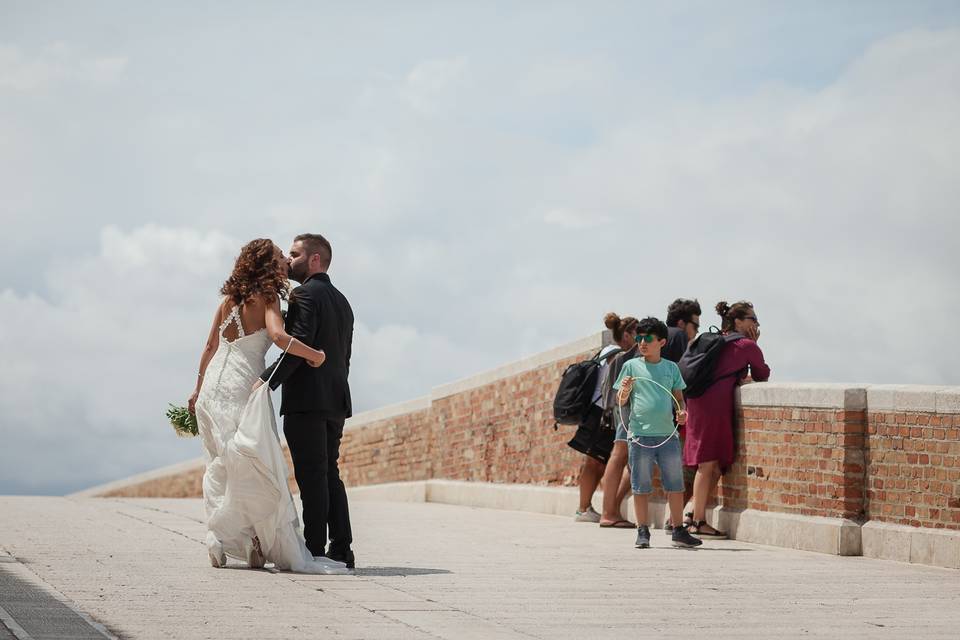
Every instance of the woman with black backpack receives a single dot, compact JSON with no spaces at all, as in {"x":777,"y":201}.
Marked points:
{"x":709,"y":439}
{"x":594,"y":437}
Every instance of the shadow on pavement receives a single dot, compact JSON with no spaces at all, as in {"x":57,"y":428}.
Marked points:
{"x":398,"y":571}
{"x":712,"y":549}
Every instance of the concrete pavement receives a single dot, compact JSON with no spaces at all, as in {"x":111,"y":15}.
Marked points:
{"x":427,"y":570}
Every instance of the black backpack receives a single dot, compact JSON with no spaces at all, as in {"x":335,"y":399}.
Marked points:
{"x":700,"y":360}
{"x":579,"y":381}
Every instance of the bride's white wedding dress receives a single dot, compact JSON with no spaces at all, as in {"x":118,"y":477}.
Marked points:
{"x":245,"y":491}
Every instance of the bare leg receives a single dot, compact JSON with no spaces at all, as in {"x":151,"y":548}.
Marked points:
{"x":590,"y":477}
{"x":675,"y":499}
{"x":688,"y":477}
{"x":708,"y":474}
{"x":624,"y":488}
{"x":641,"y":502}
{"x":611,"y":481}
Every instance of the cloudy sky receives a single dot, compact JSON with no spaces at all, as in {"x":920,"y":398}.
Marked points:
{"x":493,"y":177}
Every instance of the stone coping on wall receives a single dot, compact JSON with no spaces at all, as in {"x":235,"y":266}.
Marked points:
{"x":594,"y":342}
{"x":591,"y":343}
{"x":913,"y":398}
{"x":809,"y":395}
{"x":387,"y":412}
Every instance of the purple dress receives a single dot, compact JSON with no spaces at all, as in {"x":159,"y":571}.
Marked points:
{"x":709,"y":432}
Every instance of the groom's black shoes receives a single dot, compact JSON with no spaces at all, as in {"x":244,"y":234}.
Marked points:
{"x":346,"y":558}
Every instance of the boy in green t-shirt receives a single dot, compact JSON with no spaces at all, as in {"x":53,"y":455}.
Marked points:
{"x":647,"y":383}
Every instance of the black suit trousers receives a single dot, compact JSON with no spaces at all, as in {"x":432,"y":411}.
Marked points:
{"x":314,"y":444}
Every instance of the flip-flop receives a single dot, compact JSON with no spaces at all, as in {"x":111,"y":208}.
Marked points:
{"x":619,"y":524}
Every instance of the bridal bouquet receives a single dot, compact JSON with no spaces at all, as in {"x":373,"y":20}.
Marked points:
{"x":182,"y":421}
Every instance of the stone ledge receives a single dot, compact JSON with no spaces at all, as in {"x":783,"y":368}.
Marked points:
{"x":594,"y":342}
{"x":591,"y":343}
{"x":389,"y":411}
{"x":918,"y":545}
{"x":912,"y":398}
{"x":836,"y":536}
{"x":840,"y":396}
{"x":415,"y":491}
{"x":559,"y":501}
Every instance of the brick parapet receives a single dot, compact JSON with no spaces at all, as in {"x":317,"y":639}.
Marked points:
{"x":912,"y":454}
{"x":889,"y":453}
{"x":798,"y":460}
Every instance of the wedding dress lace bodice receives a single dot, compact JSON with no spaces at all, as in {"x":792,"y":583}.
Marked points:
{"x":233,"y":369}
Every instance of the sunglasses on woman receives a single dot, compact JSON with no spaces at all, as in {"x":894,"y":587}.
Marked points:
{"x":646,"y":337}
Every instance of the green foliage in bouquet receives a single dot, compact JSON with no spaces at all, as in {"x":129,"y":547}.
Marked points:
{"x":182,"y":421}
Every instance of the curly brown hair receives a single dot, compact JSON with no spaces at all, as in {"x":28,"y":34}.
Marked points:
{"x":256,"y":273}
{"x":730,"y":312}
{"x":619,"y":325}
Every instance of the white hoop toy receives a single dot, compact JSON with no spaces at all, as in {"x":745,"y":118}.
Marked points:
{"x":632,"y":439}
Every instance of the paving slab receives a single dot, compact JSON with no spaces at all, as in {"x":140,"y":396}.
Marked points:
{"x":139,"y":568}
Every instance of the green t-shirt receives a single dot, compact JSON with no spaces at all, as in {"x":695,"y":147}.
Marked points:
{"x":651,"y":407}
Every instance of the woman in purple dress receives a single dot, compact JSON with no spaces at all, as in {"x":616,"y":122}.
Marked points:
{"x":709,"y":438}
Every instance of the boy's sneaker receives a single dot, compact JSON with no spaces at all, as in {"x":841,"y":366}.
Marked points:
{"x":643,"y":537}
{"x":587,"y":516}
{"x":682,"y":539}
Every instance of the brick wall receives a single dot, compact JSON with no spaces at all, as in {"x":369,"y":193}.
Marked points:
{"x":184,"y":484}
{"x":798,"y":460}
{"x":913,"y":463}
{"x":877,"y":452}
{"x":500,"y":431}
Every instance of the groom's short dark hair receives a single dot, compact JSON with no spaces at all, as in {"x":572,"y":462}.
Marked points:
{"x":316,"y":243}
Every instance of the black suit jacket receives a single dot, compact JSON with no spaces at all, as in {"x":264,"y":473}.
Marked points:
{"x":320,"y":316}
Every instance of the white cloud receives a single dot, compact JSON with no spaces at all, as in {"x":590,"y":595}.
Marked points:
{"x":569,"y":219}
{"x":432,"y":86}
{"x":99,"y":358}
{"x":55,"y":64}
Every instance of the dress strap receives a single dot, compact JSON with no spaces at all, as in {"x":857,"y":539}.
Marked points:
{"x":234,"y":316}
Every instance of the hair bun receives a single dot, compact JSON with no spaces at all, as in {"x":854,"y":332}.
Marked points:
{"x":722,"y":308}
{"x":612,"y":321}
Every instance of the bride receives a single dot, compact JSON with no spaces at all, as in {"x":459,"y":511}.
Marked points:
{"x":250,"y":512}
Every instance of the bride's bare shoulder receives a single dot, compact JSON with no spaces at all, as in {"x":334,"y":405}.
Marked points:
{"x":265,"y":301}
{"x":225,"y":306}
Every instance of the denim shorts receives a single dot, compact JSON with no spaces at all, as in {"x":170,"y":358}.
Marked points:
{"x":668,"y":457}
{"x":622,"y":435}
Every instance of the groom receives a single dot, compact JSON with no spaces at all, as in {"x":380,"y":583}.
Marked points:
{"x":315,"y":402}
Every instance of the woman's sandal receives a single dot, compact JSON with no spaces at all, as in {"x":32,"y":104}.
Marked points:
{"x":619,"y":524}
{"x":697,"y":529}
